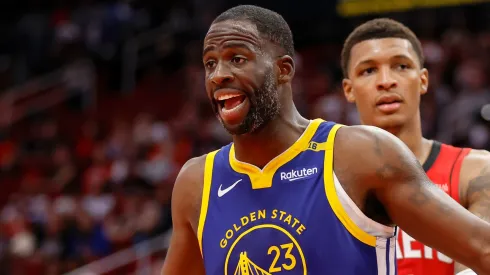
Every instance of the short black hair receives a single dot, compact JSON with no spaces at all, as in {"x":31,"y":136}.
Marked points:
{"x":377,"y":29}
{"x":270,"y":24}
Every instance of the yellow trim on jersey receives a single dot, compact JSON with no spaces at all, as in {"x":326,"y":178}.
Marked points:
{"x":206,"y":188}
{"x":333,"y":198}
{"x":263,"y":178}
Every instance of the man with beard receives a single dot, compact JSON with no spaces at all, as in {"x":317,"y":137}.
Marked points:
{"x":384,"y":75}
{"x":272,"y":201}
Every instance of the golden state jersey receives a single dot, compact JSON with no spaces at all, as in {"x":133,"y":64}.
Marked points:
{"x":291,"y":217}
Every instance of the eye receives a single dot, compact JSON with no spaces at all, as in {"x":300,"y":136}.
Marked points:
{"x":368,"y":71}
{"x":238,"y":60}
{"x":210,"y":64}
{"x":402,"y":67}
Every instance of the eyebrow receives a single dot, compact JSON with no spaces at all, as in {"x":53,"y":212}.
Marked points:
{"x":398,"y":56}
{"x":208,"y":49}
{"x":402,"y":56}
{"x":367,"y":61}
{"x":227,"y":46}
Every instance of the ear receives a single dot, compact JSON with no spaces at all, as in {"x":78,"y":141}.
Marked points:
{"x":286,"y":68}
{"x":424,"y":81}
{"x":348,"y":91}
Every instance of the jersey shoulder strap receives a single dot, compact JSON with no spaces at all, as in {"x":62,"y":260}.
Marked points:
{"x":444,"y":164}
{"x":456,"y":171}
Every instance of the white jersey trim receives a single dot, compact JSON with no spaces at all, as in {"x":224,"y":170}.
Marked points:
{"x":368,"y":225}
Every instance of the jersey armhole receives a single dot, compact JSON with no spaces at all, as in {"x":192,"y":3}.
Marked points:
{"x":455,"y":173}
{"x":354,"y":221}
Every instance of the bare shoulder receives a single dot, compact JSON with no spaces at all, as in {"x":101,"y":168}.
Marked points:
{"x":189,"y":170}
{"x":373,"y":152}
{"x":476,"y":158}
{"x":475,"y":176}
{"x":369,"y":137}
{"x":475,"y":162}
{"x":187,"y":192}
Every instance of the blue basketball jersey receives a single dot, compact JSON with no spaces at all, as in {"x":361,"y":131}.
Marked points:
{"x":291,"y":217}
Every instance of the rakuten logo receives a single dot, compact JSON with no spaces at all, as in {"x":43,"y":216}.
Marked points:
{"x":298,"y":174}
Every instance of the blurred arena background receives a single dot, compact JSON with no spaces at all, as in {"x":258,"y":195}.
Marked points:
{"x":102,"y":102}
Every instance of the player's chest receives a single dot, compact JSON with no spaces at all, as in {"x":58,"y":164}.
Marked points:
{"x":276,"y":215}
{"x":275,"y":240}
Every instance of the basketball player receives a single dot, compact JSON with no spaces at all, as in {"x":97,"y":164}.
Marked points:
{"x":294,"y":196}
{"x":382,"y":62}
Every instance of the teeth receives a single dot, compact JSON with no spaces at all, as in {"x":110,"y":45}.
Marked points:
{"x":225,"y":97}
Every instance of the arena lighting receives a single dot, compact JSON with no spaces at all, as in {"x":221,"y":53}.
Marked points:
{"x":349,"y":8}
{"x":485,"y":112}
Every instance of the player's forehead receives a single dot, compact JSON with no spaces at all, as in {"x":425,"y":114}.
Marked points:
{"x":232,"y":30}
{"x":380,"y":50}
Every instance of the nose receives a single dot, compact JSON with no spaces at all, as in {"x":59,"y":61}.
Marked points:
{"x":385,"y":80}
{"x":222,"y":74}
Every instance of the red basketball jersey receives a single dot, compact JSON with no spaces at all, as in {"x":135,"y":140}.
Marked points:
{"x":414,"y":258}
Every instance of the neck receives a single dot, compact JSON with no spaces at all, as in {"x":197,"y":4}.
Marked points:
{"x":411,"y":135}
{"x":273,"y":139}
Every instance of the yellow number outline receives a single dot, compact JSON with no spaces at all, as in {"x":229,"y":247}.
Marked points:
{"x":287,"y":255}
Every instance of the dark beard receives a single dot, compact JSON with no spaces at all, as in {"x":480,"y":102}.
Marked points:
{"x":264,"y":107}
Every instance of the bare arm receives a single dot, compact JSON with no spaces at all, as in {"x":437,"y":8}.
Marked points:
{"x":475,"y":187}
{"x":184,"y":255}
{"x":390,"y":171}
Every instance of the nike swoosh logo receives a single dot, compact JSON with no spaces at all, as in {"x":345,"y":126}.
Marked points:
{"x":221,"y":193}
